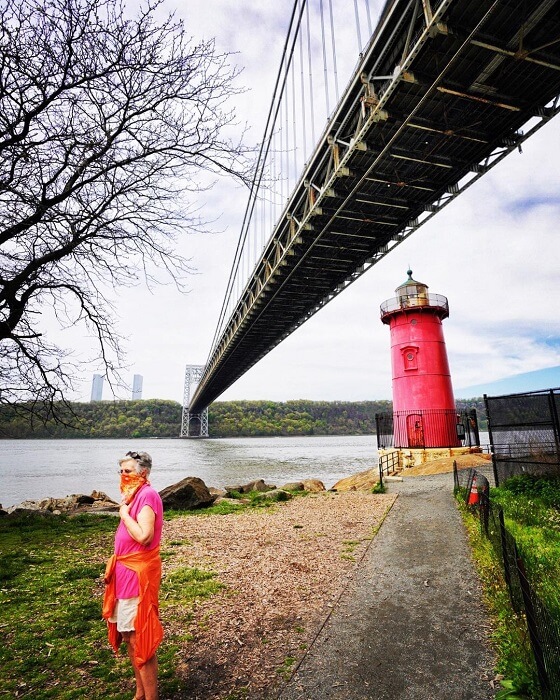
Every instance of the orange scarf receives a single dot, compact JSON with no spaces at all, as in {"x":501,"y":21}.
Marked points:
{"x":149,"y":632}
{"x":130,"y":485}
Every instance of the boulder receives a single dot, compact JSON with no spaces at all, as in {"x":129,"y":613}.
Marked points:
{"x":77,"y":502}
{"x":19,"y":511}
{"x":292,"y":486}
{"x":363,"y":481}
{"x":233,"y":501}
{"x":257,"y":485}
{"x":219,"y":493}
{"x":101,"y":496}
{"x":275,"y":495}
{"x":26,"y":506}
{"x":188,"y":494}
{"x":313,"y":485}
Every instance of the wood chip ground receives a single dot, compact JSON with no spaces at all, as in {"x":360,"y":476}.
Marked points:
{"x":282,"y":569}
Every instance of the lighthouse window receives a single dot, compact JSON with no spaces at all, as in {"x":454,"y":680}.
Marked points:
{"x":410,"y":357}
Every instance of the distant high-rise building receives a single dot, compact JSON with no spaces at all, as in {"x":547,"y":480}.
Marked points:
{"x":97,"y":387}
{"x":137,"y":387}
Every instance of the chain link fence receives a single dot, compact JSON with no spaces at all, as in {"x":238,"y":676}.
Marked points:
{"x":524,"y":433}
{"x":543,"y":628}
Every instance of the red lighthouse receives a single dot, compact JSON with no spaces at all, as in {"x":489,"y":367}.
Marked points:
{"x":424,"y":414}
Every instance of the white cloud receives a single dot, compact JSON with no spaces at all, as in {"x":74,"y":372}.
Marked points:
{"x":494,"y":258}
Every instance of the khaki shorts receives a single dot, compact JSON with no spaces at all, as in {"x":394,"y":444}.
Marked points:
{"x":124,"y":614}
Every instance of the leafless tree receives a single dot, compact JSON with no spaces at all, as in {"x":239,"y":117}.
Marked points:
{"x":108,"y":124}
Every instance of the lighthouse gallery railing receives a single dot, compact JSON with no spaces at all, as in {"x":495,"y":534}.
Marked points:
{"x":416,"y":301}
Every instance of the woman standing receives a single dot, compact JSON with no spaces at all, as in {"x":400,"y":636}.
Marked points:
{"x":133,"y":574}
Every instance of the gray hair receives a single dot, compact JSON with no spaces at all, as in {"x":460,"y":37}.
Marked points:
{"x":142,"y":459}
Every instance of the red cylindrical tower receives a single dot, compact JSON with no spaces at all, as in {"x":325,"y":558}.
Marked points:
{"x":424,"y":413}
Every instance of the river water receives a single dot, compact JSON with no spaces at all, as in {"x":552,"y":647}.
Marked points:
{"x":36,"y":469}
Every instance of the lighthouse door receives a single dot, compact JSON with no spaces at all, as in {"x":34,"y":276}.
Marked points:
{"x":415,"y":430}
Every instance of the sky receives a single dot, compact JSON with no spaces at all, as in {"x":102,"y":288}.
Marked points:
{"x":493,"y":253}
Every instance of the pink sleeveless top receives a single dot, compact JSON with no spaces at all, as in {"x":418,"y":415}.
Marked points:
{"x":126,"y":579}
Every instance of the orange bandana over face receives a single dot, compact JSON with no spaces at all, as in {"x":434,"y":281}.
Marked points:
{"x":130,"y":484}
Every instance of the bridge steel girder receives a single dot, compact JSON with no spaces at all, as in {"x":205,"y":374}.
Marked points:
{"x":439,"y":98}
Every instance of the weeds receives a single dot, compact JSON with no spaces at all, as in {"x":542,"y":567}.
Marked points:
{"x":286,"y":669}
{"x":532,"y":513}
{"x":509,"y":636}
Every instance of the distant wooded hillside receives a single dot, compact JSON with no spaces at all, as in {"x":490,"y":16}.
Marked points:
{"x":157,"y":418}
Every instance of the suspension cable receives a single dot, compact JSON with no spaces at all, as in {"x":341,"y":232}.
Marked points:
{"x":261,"y":158}
{"x":311,"y":90}
{"x":323,"y":39}
{"x":357,"y":15}
{"x":302,"y":84}
{"x":334,"y":52}
{"x":370,"y":29}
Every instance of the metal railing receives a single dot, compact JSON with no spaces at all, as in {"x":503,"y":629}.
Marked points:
{"x":424,"y":428}
{"x":388,"y":464}
{"x":416,"y":301}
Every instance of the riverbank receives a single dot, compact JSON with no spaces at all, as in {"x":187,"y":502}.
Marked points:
{"x":243,"y":596}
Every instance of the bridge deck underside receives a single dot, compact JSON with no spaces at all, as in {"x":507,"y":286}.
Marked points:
{"x":396,"y":149}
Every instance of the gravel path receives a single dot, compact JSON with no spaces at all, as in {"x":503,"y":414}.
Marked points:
{"x":411,"y":624}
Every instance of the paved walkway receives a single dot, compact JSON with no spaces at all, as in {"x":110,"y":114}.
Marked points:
{"x":410,"y":625}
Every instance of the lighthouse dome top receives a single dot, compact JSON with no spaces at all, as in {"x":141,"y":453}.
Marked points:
{"x":411,"y":285}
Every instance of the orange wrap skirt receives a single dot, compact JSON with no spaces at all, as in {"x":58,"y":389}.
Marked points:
{"x":149,"y":632}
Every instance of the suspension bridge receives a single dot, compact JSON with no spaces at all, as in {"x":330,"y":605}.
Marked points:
{"x":442,"y":91}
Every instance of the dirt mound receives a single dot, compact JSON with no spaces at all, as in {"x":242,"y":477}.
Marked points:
{"x":445,"y":464}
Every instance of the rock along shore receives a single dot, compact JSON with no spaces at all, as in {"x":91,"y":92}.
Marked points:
{"x":188,"y":494}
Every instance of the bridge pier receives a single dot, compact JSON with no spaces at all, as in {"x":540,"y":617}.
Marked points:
{"x":193,"y":424}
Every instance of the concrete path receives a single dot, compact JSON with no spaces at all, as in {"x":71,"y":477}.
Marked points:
{"x":410,"y":625}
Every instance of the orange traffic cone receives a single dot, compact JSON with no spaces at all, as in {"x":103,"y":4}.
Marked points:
{"x":473,"y":498}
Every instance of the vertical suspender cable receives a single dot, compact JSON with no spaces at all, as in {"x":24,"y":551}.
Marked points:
{"x":273,"y":190}
{"x":263,"y":225}
{"x":296,"y":140}
{"x":325,"y":59}
{"x":334,"y":52}
{"x":370,"y":30}
{"x":310,"y":61}
{"x":257,"y":178}
{"x":356,"y":13}
{"x":281,"y":156}
{"x":302,"y":84}
{"x":289,"y":145}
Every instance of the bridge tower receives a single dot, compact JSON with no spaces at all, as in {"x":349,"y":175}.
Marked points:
{"x":193,"y":424}
{"x":425,"y":419}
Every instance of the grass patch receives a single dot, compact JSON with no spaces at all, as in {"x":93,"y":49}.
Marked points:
{"x":222,"y":508}
{"x":509,"y":636}
{"x":54,"y":640}
{"x":286,"y":669}
{"x":241,"y":503}
{"x":532,"y":514}
{"x":191,"y":583}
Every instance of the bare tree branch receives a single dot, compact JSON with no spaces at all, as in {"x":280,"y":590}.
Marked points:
{"x":108,"y":125}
